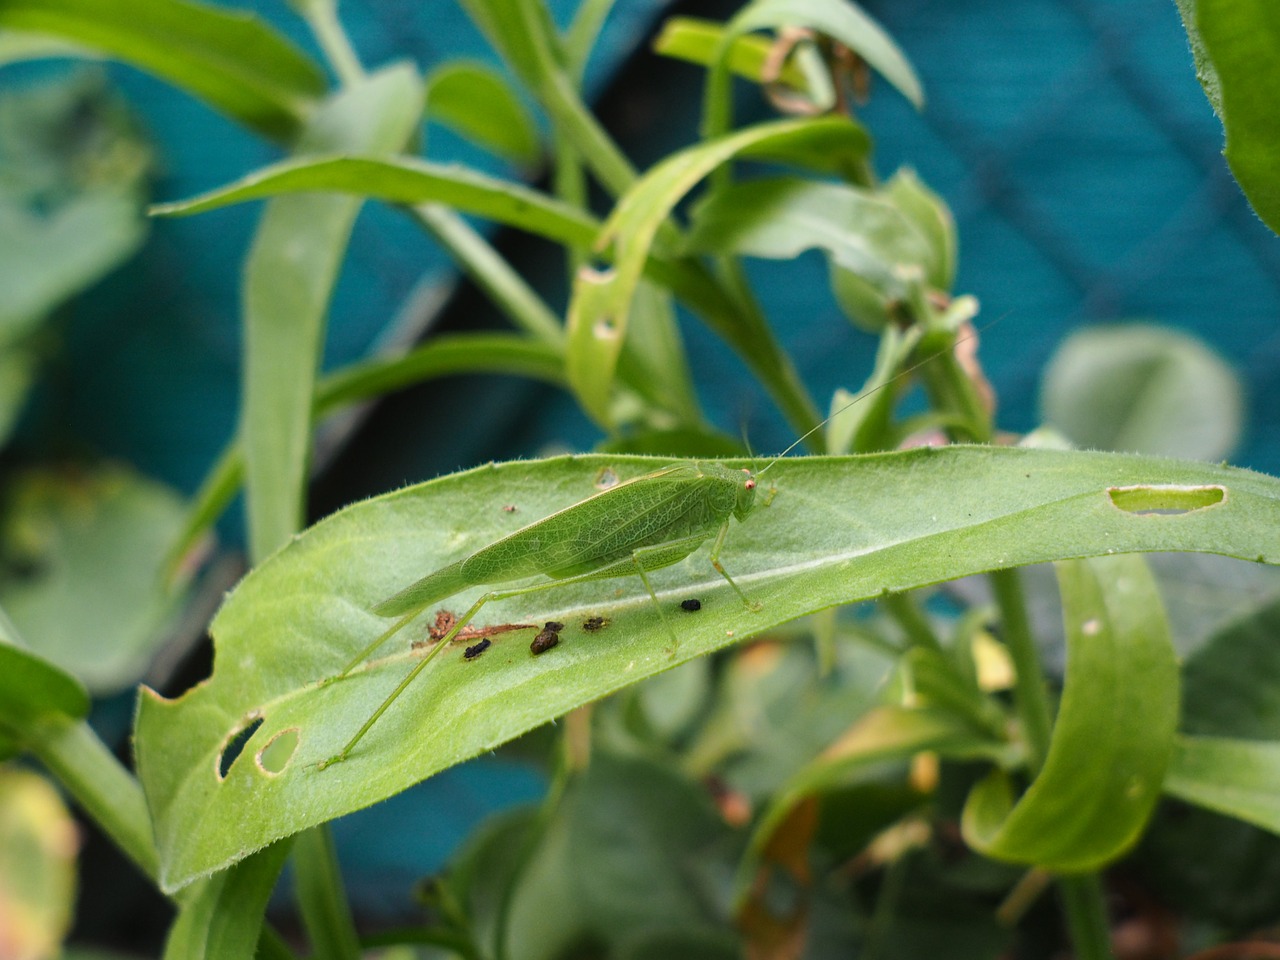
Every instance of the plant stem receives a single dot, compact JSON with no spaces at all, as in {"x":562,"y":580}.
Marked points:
{"x":1029,"y":692}
{"x":100,"y":784}
{"x":322,"y":18}
{"x":914,"y":623}
{"x":490,"y":272}
{"x":1086,"y":910}
{"x":1082,"y":897}
{"x":321,"y":897}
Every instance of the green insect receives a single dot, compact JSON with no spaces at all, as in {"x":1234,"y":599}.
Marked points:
{"x":630,"y":529}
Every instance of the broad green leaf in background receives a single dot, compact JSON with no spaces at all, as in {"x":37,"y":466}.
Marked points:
{"x":1236,"y":44}
{"x":49,"y":258}
{"x":601,"y":302}
{"x":1228,"y":760}
{"x":477,"y":102}
{"x":221,"y":919}
{"x":232,"y":60}
{"x":1113,"y":737}
{"x":781,"y":217}
{"x":38,"y":847}
{"x":1141,"y":388}
{"x":62,"y":579}
{"x":289,"y":277}
{"x":630,"y":845}
{"x":33,"y":689}
{"x":73,"y":165}
{"x":838,"y":530}
{"x":1240,"y":778}
{"x":932,"y":218}
{"x":404,"y":180}
{"x":17,"y":373}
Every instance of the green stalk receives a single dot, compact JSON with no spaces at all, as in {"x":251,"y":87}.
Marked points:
{"x":321,"y":898}
{"x":100,"y":784}
{"x":487,"y":269}
{"x":1086,"y":911}
{"x":903,"y":608}
{"x":1030,"y":695}
{"x":1082,"y":898}
{"x":322,"y":18}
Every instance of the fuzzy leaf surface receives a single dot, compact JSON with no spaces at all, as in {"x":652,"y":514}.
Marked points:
{"x":839,"y":529}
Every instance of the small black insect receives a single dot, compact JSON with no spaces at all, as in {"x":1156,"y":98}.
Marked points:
{"x":692,"y":605}
{"x":544,"y":641}
{"x":472,"y":652}
{"x":555,"y":626}
{"x":592,"y":624}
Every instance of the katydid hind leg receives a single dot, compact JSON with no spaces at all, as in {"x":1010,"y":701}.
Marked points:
{"x":421,"y":665}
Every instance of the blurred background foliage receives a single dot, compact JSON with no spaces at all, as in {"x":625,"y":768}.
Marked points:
{"x":1083,"y":166}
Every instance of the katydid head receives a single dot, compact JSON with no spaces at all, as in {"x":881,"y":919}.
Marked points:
{"x":746,"y":501}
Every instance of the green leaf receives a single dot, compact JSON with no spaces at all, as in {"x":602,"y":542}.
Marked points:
{"x":1231,"y":685}
{"x":631,"y":845}
{"x":601,"y":302}
{"x":1240,"y":778}
{"x":292,"y":267}
{"x":1113,"y":737}
{"x":840,"y":529}
{"x":698,"y":41}
{"x":32,"y":688}
{"x":19,"y":45}
{"x":779,"y":218}
{"x":842,"y":21}
{"x":933,"y":219}
{"x":404,"y":180}
{"x":1143,"y":389}
{"x":17,"y":373}
{"x":1240,"y":39}
{"x":233,"y":61}
{"x":221,"y":919}
{"x":62,"y":579}
{"x":74,"y":166}
{"x":476,"y":101}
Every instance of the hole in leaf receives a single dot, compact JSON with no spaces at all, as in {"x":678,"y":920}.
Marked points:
{"x":235,"y":745}
{"x":275,"y":756}
{"x":1165,"y":500}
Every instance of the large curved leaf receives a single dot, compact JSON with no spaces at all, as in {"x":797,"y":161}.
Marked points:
{"x":1113,"y":737}
{"x":601,"y":302}
{"x":234,"y":61}
{"x":839,"y":529}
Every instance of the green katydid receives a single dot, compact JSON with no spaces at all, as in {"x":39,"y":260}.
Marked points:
{"x":630,"y":529}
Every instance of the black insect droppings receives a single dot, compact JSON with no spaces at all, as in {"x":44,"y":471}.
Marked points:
{"x":692,"y":605}
{"x":472,"y":652}
{"x":592,"y":624}
{"x":555,"y":626}
{"x":544,"y":641}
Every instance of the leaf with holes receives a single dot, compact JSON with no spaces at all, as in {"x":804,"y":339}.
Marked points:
{"x":839,"y":529}
{"x":601,"y":303}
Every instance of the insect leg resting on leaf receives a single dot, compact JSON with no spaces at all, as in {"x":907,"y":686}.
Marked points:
{"x":631,"y":529}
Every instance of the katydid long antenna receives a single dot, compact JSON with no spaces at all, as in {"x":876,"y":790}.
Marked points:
{"x":971,"y":335}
